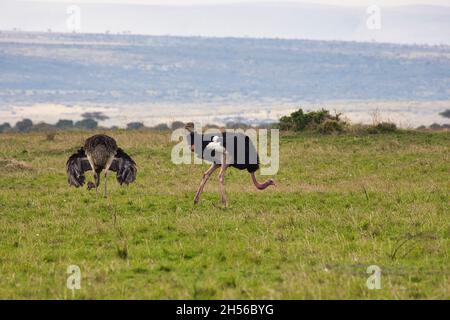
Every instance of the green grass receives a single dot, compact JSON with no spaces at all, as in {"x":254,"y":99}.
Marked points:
{"x":341,"y":203}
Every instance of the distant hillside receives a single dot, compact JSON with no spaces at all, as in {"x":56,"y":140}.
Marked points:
{"x":75,"y":68}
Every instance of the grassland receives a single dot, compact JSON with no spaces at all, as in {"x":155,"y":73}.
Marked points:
{"x":341,"y":203}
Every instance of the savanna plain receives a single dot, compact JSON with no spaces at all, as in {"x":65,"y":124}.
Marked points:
{"x":341,"y":204}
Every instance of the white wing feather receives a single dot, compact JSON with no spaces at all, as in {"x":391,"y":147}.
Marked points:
{"x":216,"y":145}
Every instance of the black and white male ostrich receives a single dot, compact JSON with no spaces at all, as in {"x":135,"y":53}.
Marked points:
{"x":241,"y":154}
{"x":100,"y":152}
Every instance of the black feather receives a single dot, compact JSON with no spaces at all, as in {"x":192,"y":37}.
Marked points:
{"x":100,"y":140}
{"x":125,"y":167}
{"x":76,"y":166}
{"x":242,"y":154}
{"x":100,"y":149}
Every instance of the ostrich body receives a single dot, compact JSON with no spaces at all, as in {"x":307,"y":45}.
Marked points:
{"x":100,"y":152}
{"x":213,"y":148}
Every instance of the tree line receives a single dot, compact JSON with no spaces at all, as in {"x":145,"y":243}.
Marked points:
{"x":321,"y":121}
{"x":27,"y":125}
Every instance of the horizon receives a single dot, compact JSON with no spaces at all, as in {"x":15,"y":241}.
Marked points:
{"x":206,"y":37}
{"x":399,"y":21}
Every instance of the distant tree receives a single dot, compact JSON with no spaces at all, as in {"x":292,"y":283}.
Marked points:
{"x":24,"y":125}
{"x":161,"y":127}
{"x":177,"y":125}
{"x":95,"y":115}
{"x":237,"y":125}
{"x":135,"y":125}
{"x":446,"y":113}
{"x":86,"y":124}
{"x":5,"y":127}
{"x":42,"y":126}
{"x":64,"y":124}
{"x":435,"y":126}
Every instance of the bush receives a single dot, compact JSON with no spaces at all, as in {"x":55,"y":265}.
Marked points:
{"x":95,"y":115}
{"x":330,"y":126}
{"x":435,"y":126}
{"x":382,"y":127}
{"x":24,"y":126}
{"x":135,"y":125}
{"x":43,"y":127}
{"x":86,"y":124}
{"x":5,"y":127}
{"x":177,"y":125}
{"x":161,"y":127}
{"x":64,"y":124}
{"x":314,"y":120}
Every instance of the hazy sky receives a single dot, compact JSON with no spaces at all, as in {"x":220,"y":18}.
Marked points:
{"x":327,"y":20}
{"x":190,"y":2}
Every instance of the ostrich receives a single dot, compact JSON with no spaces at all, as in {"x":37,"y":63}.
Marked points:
{"x":213,"y":148}
{"x":100,"y":152}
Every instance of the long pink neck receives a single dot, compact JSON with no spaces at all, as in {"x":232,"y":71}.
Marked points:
{"x":261,"y":186}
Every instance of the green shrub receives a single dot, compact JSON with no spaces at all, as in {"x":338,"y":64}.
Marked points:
{"x":161,"y":127}
{"x":64,"y":124}
{"x":177,"y":125}
{"x":331,"y":126}
{"x":382,"y":127}
{"x":24,"y":126}
{"x":135,"y":125}
{"x":86,"y":124}
{"x":314,"y":120}
{"x":5,"y":127}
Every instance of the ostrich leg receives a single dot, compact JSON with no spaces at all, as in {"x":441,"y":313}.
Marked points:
{"x":108,"y":164}
{"x":97,"y":181}
{"x":96,"y":177}
{"x":205,"y":178}
{"x":222,"y":183}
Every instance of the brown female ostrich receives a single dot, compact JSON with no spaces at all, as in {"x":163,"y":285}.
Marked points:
{"x":241,"y":154}
{"x":100,"y":152}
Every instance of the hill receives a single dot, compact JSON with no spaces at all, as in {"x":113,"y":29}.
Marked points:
{"x":114,"y":69}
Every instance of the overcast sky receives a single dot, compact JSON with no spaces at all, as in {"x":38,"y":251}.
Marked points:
{"x":334,"y":2}
{"x":326,"y":20}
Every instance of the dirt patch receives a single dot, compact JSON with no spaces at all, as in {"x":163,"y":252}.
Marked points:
{"x":15,"y":165}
